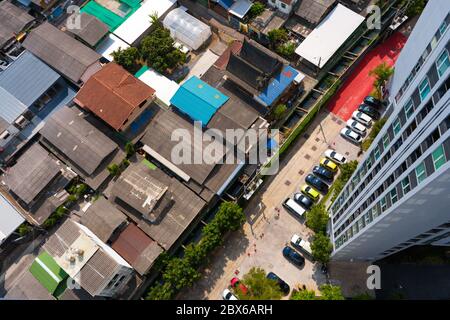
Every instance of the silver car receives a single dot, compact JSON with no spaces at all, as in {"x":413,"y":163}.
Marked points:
{"x":357,"y":127}
{"x":351,"y":135}
{"x":362,"y":118}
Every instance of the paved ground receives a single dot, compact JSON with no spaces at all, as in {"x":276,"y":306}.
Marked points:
{"x":269,"y":226}
{"x":360,"y":84}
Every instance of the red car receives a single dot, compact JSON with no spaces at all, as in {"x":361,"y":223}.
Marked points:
{"x":235,"y":282}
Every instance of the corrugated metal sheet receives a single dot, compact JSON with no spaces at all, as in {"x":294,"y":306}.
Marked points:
{"x":28,"y":78}
{"x":11,"y":107}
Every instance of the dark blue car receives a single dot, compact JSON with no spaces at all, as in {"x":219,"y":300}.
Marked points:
{"x":323,"y":173}
{"x":293,"y":256}
{"x":283,"y":285}
{"x":315,"y":182}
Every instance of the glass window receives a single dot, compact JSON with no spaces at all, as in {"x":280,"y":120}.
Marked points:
{"x":377,"y":153}
{"x":406,"y":185}
{"x":443,"y":27}
{"x":439,"y":157}
{"x":383,"y":204}
{"x":434,"y":42}
{"x":409,"y":108}
{"x":424,"y":88}
{"x":421,"y":173}
{"x":386,"y":140}
{"x":397,"y":126}
{"x":443,"y":63}
{"x":394,"y":196}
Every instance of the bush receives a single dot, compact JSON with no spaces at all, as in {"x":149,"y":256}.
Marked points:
{"x":303,"y":295}
{"x":114,"y":169}
{"x":127,"y":58}
{"x":377,"y":126}
{"x":129,"y":149}
{"x":347,"y":170}
{"x":287,"y":50}
{"x":160,"y":292}
{"x":330,"y":292}
{"x":24,"y":229}
{"x":277,"y":36}
{"x":256,"y":9}
{"x":260,"y":287}
{"x":321,"y":248}
{"x":279,"y":111}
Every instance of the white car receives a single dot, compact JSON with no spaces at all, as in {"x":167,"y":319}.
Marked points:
{"x":334,"y":156}
{"x":363,"y":118}
{"x":228,"y":295}
{"x":301,"y":244}
{"x":357,"y":127}
{"x":351,"y":135}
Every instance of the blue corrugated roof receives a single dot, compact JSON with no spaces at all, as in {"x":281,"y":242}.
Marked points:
{"x":226,"y":3}
{"x":277,"y":86}
{"x":28,"y":78}
{"x":198,"y":100}
{"x":11,"y":108}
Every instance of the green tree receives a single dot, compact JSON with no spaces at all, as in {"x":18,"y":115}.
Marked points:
{"x":279,"y":111}
{"x":180,"y":274}
{"x":277,"y":36}
{"x":303,"y":295}
{"x":347,"y":170}
{"x":127,"y":58}
{"x":377,"y":126}
{"x":255,"y":10}
{"x":286,"y":49}
{"x":161,"y":292}
{"x":230,"y":217}
{"x":24,"y":229}
{"x":317,"y":218}
{"x":158,"y":50}
{"x":382,"y":73}
{"x":321,"y":248}
{"x":114,"y":169}
{"x":129,"y":149}
{"x":259,"y":287}
{"x":212,"y":237}
{"x":330,"y":292}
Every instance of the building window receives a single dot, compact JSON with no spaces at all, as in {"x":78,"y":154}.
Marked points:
{"x":438,"y":157}
{"x":383,"y":204}
{"x":409,"y":108}
{"x":443,"y":27}
{"x":394,"y":196}
{"x":397,"y":126}
{"x":406,"y":185}
{"x":424,"y":89}
{"x":386,"y":140}
{"x":377,"y":153}
{"x":421,"y":173}
{"x":443,"y":63}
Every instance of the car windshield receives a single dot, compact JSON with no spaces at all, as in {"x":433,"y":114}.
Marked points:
{"x":333,"y":153}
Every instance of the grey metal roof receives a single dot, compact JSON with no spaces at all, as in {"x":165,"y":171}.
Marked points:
{"x":34,"y":170}
{"x":10,"y":218}
{"x":77,"y":139}
{"x":62,"y":52}
{"x":185,"y":206}
{"x":3,"y":124}
{"x":92,"y":29}
{"x":12,"y":21}
{"x":11,"y":108}
{"x":28,"y":78}
{"x":314,"y":10}
{"x":103,"y":218}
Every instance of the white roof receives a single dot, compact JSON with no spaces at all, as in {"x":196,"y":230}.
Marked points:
{"x":323,"y":42}
{"x":109,"y":45}
{"x":164,"y":87}
{"x":10,"y":219}
{"x":240,"y":8}
{"x":140,"y":21}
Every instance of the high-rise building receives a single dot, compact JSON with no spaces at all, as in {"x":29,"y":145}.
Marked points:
{"x":399,"y":196}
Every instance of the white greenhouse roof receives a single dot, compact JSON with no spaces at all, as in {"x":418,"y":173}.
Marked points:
{"x":164,"y":87}
{"x":109,"y":45}
{"x":323,"y":42}
{"x":140,"y":21}
{"x":10,"y":219}
{"x":187,"y":29}
{"x":240,"y":8}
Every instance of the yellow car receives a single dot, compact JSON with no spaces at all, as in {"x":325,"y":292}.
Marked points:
{"x":310,"y":192}
{"x":328,"y":164}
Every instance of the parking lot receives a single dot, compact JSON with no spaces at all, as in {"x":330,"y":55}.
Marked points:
{"x":269,"y":226}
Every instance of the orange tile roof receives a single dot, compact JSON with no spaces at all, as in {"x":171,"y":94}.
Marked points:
{"x":113,"y":94}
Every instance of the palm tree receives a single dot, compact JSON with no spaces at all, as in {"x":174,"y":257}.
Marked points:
{"x":382,"y":73}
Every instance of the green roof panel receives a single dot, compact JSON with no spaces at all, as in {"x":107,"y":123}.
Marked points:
{"x":48,"y":272}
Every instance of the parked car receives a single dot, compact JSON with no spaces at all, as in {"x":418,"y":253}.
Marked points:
{"x":303,"y":200}
{"x":335,"y":156}
{"x":362,"y":118}
{"x":311,"y":192}
{"x":228,"y":295}
{"x":328,"y":164}
{"x":283,"y":285}
{"x":301,"y":244}
{"x":294,"y":208}
{"x":373,"y":102}
{"x":236,"y":283}
{"x":293,"y":256}
{"x":351,"y":135}
{"x":357,"y":127}
{"x":370,"y":111}
{"x":324,"y":174}
{"x":316,"y":183}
